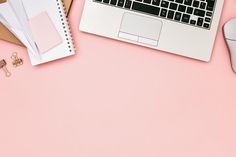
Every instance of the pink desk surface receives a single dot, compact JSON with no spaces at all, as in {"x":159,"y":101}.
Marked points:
{"x":114,"y":99}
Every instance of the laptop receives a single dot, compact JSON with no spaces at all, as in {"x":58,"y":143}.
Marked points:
{"x":183,"y":27}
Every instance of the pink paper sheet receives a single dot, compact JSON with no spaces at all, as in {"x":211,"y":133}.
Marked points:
{"x":44,"y":32}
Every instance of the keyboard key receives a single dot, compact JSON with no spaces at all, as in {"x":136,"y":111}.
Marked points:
{"x":98,"y":0}
{"x":156,"y":2}
{"x":146,"y":8}
{"x":185,"y":18}
{"x":105,"y":1}
{"x":206,"y":25}
{"x":163,"y":12}
{"x":189,"y":10}
{"x":202,"y":5}
{"x":196,"y":4}
{"x":128,"y":4}
{"x":179,"y":1}
{"x":170,"y":14}
{"x":178,"y":16}
{"x":192,"y":22}
{"x":200,"y":21}
{"x":182,"y":8}
{"x":147,"y":1}
{"x":164,"y":4}
{"x":207,"y":19}
{"x":210,"y":4}
{"x":199,"y":12}
{"x":209,"y":14}
{"x":113,"y":2}
{"x":121,"y":3}
{"x":173,"y":6}
{"x":188,"y":2}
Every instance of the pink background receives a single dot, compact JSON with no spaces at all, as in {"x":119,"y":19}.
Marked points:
{"x":115,"y":99}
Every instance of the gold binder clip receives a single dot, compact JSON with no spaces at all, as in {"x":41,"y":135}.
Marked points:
{"x":3,"y":65}
{"x":16,"y":61}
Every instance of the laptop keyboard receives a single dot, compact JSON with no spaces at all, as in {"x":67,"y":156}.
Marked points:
{"x":192,"y":12}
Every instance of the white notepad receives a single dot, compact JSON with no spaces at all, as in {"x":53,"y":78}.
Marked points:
{"x":45,"y":28}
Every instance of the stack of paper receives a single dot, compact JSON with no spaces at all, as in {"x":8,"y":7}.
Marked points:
{"x":14,"y":17}
{"x":6,"y":35}
{"x":41,"y":27}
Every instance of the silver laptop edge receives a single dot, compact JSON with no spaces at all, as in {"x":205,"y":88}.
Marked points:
{"x":151,"y":31}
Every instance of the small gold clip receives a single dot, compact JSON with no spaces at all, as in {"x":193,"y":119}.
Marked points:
{"x":3,"y":65}
{"x":16,"y":61}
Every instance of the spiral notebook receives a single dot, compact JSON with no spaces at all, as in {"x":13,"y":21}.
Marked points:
{"x":42,"y":26}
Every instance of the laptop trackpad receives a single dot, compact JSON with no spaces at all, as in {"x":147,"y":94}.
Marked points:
{"x":140,"y":29}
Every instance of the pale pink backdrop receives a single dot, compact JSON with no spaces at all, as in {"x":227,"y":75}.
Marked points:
{"x":115,"y":99}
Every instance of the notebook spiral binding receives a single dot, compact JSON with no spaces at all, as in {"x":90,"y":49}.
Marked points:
{"x":66,"y":25}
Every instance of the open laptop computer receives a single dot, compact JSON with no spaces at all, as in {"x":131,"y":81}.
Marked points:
{"x":183,"y":27}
